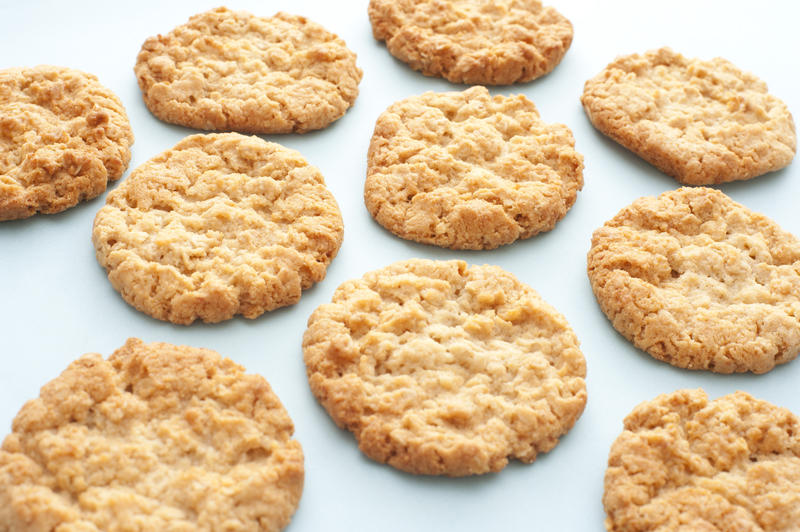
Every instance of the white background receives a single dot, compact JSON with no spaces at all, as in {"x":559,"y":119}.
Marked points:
{"x":56,"y":304}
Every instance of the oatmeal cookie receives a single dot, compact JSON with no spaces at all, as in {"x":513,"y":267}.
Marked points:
{"x":221,"y":224}
{"x":702,"y":122}
{"x":230,"y":70}
{"x":157,"y":437}
{"x":466,"y":170}
{"x":494,"y":42}
{"x":63,"y":137}
{"x":685,"y":463}
{"x":441,"y":369}
{"x":700,"y":281}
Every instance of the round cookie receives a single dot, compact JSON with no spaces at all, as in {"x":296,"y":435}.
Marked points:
{"x":702,"y":122}
{"x":700,"y":281}
{"x":441,"y":369}
{"x":686,"y":463}
{"x":157,"y":437}
{"x":494,"y":42}
{"x":63,"y":137}
{"x":219,"y":225}
{"x":466,"y":170}
{"x":227,"y":70}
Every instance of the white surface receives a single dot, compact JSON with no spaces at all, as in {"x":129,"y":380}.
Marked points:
{"x":57,"y":303}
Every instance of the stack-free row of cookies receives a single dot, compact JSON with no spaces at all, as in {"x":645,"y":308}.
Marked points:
{"x":437,"y":368}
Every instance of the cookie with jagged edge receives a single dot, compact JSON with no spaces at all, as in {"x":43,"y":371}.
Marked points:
{"x":218,"y":225}
{"x":702,"y":122}
{"x":700,"y":281}
{"x":158,"y":437}
{"x":442,"y":369}
{"x":231,"y":70}
{"x":466,"y":170}
{"x":63,"y":137}
{"x":684,"y":462}
{"x":495,"y":42}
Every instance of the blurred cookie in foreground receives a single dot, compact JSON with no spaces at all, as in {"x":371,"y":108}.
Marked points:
{"x":701,"y":122}
{"x":684,"y":462}
{"x":167,"y":437}
{"x":494,"y":42}
{"x":442,"y":369}
{"x":231,"y":70}
{"x":466,"y":170}
{"x":63,"y":137}
{"x":700,"y":281}
{"x":218,"y":225}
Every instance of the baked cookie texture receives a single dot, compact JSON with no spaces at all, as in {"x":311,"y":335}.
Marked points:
{"x":63,"y":137}
{"x":494,"y":42}
{"x":219,"y":225}
{"x":685,"y":463}
{"x":157,"y":437}
{"x":466,"y":170}
{"x":441,"y":369}
{"x":230,"y":70}
{"x":700,"y":281}
{"x":701,"y":122}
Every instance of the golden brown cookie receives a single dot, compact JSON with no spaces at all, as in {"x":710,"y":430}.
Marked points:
{"x":63,"y":137}
{"x":489,"y":42}
{"x":702,"y":122}
{"x":466,"y":170}
{"x":230,"y":70}
{"x":219,"y":225}
{"x":700,"y":281}
{"x":157,"y":437}
{"x":684,"y":463}
{"x":441,"y":369}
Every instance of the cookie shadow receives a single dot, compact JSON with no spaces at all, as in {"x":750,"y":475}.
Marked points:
{"x":439,"y":83}
{"x":528,"y":246}
{"x":771,"y":179}
{"x":631,"y":161}
{"x":127,"y":313}
{"x":403,"y":74}
{"x":515,"y":470}
{"x":84,"y":209}
{"x":715,"y":384}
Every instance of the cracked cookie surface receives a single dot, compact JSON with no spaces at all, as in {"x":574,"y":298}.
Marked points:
{"x":157,"y":437}
{"x":685,"y":463}
{"x":441,"y":369}
{"x":495,"y":42}
{"x":63,"y":137}
{"x":221,"y":224}
{"x":229,"y":70}
{"x":702,"y":122}
{"x":466,"y":170}
{"x":700,"y":281}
